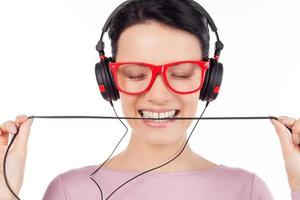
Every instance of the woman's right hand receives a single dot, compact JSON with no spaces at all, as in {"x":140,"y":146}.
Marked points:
{"x":15,"y":162}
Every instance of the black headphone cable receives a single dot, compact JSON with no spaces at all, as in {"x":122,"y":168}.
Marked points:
{"x":109,"y":117}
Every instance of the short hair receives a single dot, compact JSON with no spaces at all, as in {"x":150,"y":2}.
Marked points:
{"x":179,"y":14}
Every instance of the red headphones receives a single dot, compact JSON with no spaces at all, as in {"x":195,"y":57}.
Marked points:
{"x":213,"y":76}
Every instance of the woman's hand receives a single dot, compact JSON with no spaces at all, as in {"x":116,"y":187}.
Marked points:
{"x":290,"y":148}
{"x":15,"y":162}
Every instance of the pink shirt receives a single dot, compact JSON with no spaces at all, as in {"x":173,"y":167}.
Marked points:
{"x":220,"y":182}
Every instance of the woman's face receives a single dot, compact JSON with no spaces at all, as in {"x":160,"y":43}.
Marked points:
{"x":158,"y":44}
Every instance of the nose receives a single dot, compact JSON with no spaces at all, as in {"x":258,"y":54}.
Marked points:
{"x":159,"y":93}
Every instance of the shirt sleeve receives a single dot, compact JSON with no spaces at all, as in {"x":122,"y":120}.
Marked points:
{"x":260,"y":190}
{"x":55,"y":190}
{"x":295,"y":195}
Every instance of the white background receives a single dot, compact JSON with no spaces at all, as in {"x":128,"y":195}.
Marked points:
{"x":47,"y":68}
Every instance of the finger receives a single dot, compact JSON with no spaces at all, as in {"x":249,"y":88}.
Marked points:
{"x":296,"y":131}
{"x":294,"y":125}
{"x":284,"y":137}
{"x":3,"y":139}
{"x":288,"y":121}
{"x":7,"y":128}
{"x":296,"y":138}
{"x":23,"y":134}
{"x":21,"y":119}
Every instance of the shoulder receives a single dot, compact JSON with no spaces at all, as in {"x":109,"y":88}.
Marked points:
{"x":236,"y":173}
{"x":77,"y":177}
{"x":67,"y":183}
{"x":239,"y":175}
{"x":77,"y":173}
{"x":245,"y":180}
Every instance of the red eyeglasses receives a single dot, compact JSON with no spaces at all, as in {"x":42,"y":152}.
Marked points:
{"x":182,"y":77}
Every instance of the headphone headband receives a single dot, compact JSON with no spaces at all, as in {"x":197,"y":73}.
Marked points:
{"x":218,"y":45}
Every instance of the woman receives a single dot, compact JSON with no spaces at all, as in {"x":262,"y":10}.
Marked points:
{"x":156,"y":32}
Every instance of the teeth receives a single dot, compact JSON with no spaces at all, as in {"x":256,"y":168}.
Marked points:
{"x":148,"y":114}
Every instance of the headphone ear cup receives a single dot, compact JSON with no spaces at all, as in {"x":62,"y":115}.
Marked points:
{"x":212,"y":82}
{"x":111,"y":83}
{"x":105,"y":80}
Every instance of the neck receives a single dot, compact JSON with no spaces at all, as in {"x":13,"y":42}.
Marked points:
{"x":140,"y":156}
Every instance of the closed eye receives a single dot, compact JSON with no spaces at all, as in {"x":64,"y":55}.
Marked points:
{"x":136,"y":77}
{"x":181,"y":76}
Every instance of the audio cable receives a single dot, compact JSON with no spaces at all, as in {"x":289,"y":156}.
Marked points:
{"x":119,"y":118}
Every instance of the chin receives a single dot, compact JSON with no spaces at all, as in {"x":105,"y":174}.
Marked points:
{"x":160,"y":136}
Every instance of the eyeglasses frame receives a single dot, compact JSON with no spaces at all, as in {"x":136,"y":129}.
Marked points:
{"x":156,"y":70}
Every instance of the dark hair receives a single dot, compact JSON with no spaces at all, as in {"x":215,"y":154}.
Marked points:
{"x":180,"y":14}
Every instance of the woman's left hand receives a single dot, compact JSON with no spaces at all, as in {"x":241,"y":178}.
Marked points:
{"x":290,"y":148}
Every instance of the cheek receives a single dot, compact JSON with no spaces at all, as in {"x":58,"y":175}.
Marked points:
{"x":190,"y":104}
{"x":189,"y":109}
{"x":128,"y":103}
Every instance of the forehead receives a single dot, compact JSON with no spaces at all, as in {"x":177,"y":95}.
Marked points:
{"x":157,"y":43}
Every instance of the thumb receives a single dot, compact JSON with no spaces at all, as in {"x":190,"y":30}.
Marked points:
{"x":23,"y":132}
{"x":285,"y":138}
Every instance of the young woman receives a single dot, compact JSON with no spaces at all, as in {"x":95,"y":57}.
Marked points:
{"x":156,"y":32}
